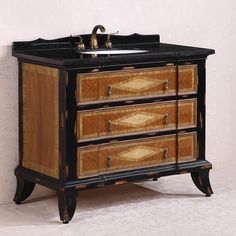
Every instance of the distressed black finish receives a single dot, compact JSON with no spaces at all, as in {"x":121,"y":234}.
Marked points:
{"x":63,"y":54}
{"x":67,"y":199}
{"x":105,"y":179}
{"x":201,"y":180}
{"x":23,"y":190}
{"x":67,"y":54}
{"x":70,"y":42}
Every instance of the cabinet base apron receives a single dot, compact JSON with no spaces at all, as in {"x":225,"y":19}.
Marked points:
{"x":67,"y":192}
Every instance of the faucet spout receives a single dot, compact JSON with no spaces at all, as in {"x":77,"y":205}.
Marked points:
{"x":94,"y":41}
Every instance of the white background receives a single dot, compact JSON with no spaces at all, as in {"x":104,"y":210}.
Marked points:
{"x":204,"y":23}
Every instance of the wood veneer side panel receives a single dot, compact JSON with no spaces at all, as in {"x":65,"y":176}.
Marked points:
{"x":20,"y":112}
{"x":41,"y":119}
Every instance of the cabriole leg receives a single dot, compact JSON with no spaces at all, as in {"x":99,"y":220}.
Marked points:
{"x":24,"y":188}
{"x":202,"y":182}
{"x":66,"y":204}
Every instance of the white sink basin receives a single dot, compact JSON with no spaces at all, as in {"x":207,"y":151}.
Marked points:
{"x":113,"y":51}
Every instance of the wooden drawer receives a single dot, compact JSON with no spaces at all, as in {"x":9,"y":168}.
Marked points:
{"x":136,"y":154}
{"x":135,"y":119}
{"x":102,"y":86}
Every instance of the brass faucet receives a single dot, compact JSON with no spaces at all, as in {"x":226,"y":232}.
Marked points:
{"x":94,"y":41}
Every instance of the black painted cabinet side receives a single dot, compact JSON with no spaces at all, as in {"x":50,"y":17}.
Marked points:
{"x":201,"y":109}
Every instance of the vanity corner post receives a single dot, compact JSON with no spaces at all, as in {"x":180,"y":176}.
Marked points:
{"x":67,"y":196}
{"x":200,"y":177}
{"x":67,"y":128}
{"x":201,"y":110}
{"x":24,"y":187}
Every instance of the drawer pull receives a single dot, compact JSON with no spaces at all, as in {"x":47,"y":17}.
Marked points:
{"x":109,"y":161}
{"x":109,"y":124}
{"x":109,"y":90}
{"x":165,"y":153}
{"x":166,"y":119}
{"x":166,"y":86}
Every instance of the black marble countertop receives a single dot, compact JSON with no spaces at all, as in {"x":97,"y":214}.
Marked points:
{"x":63,"y":51}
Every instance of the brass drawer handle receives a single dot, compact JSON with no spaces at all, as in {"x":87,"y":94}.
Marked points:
{"x":109,"y":161}
{"x":165,"y":153}
{"x":109,"y":126}
{"x":109,"y":90}
{"x":166,"y":119}
{"x":165,"y":86}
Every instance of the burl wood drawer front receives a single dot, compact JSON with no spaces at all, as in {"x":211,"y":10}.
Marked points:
{"x":101,"y":86}
{"x":136,"y":154}
{"x":133,"y":119}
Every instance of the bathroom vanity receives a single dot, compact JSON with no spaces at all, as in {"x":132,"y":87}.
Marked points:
{"x":133,"y":110}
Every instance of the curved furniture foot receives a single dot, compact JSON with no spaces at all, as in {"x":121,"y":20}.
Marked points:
{"x":202,"y":182}
{"x":66,"y":204}
{"x":24,"y":189}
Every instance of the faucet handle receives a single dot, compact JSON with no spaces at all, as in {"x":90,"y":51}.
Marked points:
{"x":80,"y":44}
{"x":108,"y":43}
